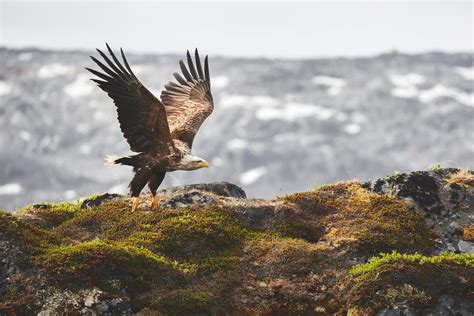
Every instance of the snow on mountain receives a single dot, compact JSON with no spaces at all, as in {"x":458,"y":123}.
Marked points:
{"x":279,"y":126}
{"x":5,"y":88}
{"x":466,"y":72}
{"x":53,"y":70}
{"x":10,"y":189}
{"x":79,"y":87}
{"x":440,"y":91}
{"x":252,"y":175}
{"x":334,"y":85}
{"x":293,"y":111}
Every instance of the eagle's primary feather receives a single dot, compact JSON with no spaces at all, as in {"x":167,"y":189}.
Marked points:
{"x":189,"y":103}
{"x":160,"y":132}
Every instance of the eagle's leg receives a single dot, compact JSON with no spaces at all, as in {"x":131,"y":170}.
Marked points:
{"x":142,"y":176}
{"x":135,"y":203}
{"x":153,"y":184}
{"x":154,"y":202}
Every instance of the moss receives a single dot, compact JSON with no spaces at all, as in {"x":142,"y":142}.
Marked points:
{"x":348,"y":214}
{"x":30,"y":238}
{"x":191,"y":234}
{"x":97,"y":221}
{"x":98,"y":261}
{"x":390,"y":224}
{"x":278,"y":255}
{"x":375,"y":263}
{"x":322,"y":199}
{"x":53,"y":214}
{"x":227,"y":260}
{"x":185,"y":302}
{"x":411,"y":278}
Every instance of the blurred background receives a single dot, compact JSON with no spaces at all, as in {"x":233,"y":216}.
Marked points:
{"x":305,"y":93}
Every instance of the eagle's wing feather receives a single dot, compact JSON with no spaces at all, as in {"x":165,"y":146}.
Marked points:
{"x":190,"y":102}
{"x":141,"y":115}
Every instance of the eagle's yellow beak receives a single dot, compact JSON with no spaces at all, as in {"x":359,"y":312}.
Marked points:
{"x":203,"y":164}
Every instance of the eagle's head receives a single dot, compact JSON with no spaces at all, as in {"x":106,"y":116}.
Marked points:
{"x":190,"y":162}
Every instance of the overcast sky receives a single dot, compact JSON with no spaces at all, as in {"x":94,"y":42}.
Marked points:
{"x":294,"y":30}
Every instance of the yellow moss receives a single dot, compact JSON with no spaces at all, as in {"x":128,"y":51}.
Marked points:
{"x":463,"y":177}
{"x":282,"y":255}
{"x":364,"y":220}
{"x":323,"y":199}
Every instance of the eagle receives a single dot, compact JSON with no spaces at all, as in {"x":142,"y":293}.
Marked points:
{"x":160,"y":132}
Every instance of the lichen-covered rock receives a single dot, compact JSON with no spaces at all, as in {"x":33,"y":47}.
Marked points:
{"x":97,"y":200}
{"x":224,"y":189}
{"x":444,"y":197}
{"x":209,"y":250}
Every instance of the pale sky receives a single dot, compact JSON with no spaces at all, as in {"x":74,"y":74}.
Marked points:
{"x":250,"y":29}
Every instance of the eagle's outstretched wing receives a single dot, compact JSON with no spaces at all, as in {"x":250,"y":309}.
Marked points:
{"x":190,"y":102}
{"x":141,"y":115}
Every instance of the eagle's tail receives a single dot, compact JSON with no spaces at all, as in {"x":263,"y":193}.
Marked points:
{"x":116,"y":160}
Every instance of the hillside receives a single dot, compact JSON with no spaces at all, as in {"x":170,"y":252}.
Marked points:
{"x":294,"y":123}
{"x":400,"y":245}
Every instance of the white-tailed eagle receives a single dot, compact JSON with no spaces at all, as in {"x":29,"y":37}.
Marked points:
{"x":161,"y":132}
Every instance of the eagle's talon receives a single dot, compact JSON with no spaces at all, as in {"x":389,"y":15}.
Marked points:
{"x":135,"y":203}
{"x":154,"y":203}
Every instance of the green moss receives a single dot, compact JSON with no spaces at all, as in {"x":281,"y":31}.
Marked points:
{"x":30,"y":238}
{"x":302,"y":229}
{"x":184,"y":234}
{"x":227,"y":260}
{"x":181,"y":234}
{"x":411,"y":278}
{"x":448,"y":258}
{"x":185,"y":302}
{"x":53,"y":214}
{"x":96,"y":261}
{"x":96,"y":222}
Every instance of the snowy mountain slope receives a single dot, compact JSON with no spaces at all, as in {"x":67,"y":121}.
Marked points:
{"x":286,"y":122}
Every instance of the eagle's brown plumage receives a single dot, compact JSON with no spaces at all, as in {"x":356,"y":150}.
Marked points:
{"x":160,"y":132}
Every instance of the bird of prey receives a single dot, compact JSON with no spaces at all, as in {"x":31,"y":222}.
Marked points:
{"x":160,"y":132}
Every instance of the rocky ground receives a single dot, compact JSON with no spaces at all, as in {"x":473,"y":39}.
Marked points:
{"x":400,"y":245}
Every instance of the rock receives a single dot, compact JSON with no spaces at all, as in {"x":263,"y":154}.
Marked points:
{"x":187,"y":199}
{"x":224,"y":189}
{"x":451,"y":305}
{"x":99,"y":200}
{"x":443,"y":206}
{"x":466,"y":246}
{"x":209,"y":250}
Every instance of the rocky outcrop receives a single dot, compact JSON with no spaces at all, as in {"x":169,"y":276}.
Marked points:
{"x":400,"y":245}
{"x":445,"y":203}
